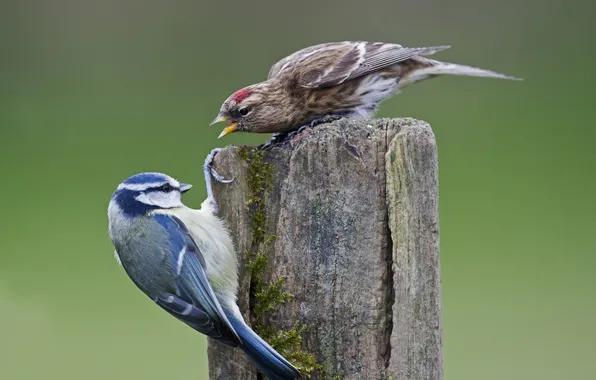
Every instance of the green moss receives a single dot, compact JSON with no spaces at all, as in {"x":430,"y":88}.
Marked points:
{"x":266,"y":296}
{"x":259,"y":178}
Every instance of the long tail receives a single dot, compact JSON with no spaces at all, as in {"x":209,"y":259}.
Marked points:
{"x":269,"y":361}
{"x":429,"y":68}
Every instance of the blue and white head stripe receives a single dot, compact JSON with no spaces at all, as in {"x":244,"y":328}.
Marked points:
{"x":140,"y":186}
{"x":145,"y":192}
{"x":144,"y":181}
{"x":144,"y":178}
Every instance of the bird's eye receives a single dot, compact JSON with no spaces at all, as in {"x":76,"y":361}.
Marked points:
{"x":166,"y":188}
{"x":244,"y":111}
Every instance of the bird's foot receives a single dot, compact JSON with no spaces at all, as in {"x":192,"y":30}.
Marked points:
{"x":209,"y":172}
{"x":276,"y":138}
{"x":322,"y":120}
{"x":284,"y":138}
{"x":312,"y":124}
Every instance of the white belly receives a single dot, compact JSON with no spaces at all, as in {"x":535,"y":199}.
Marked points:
{"x":373,"y":90}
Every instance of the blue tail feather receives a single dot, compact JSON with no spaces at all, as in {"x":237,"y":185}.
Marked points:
{"x":269,"y":361}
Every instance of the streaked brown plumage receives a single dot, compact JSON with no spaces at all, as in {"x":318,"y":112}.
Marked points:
{"x":338,"y":79}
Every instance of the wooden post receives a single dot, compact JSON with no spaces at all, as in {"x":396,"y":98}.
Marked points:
{"x":347,"y":216}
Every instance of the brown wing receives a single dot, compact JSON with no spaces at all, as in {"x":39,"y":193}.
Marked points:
{"x":330,"y":64}
{"x":290,"y":63}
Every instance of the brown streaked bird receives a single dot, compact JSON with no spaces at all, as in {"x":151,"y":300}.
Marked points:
{"x":331,"y":81}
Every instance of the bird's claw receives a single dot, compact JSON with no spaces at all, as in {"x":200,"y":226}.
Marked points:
{"x":291,"y":135}
{"x":323,"y":120}
{"x":265,"y":145}
{"x":219,"y":178}
{"x":284,"y":138}
{"x":312,"y":124}
{"x":276,"y":138}
{"x":208,"y":167}
{"x":209,"y":173}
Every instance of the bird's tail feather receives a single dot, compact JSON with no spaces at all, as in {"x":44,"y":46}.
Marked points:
{"x":431,"y":68}
{"x":269,"y":361}
{"x":430,"y":50}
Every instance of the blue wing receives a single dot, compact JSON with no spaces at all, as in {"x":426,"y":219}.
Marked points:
{"x":195,"y":302}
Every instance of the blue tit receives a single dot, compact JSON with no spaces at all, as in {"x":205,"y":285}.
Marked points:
{"x":184,"y":260}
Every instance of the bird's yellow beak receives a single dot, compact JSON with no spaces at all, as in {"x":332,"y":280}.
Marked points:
{"x":230,"y":128}
{"x":219,"y":119}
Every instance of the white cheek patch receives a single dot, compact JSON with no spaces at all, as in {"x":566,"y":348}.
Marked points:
{"x":160,"y":199}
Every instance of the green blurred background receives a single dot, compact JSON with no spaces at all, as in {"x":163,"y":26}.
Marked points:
{"x":94,"y":91}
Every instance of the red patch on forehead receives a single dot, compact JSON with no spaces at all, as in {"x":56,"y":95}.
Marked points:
{"x":240,"y":95}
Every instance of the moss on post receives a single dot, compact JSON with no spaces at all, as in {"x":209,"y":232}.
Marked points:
{"x":337,"y":239}
{"x":266,"y":296}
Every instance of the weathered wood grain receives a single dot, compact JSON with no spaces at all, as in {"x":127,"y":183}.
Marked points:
{"x":353,"y":207}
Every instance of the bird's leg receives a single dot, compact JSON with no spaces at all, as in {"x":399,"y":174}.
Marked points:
{"x":208,"y":167}
{"x":275,"y":139}
{"x":314,"y":123}
{"x":322,"y":120}
{"x":209,"y":172}
{"x":283,"y":137}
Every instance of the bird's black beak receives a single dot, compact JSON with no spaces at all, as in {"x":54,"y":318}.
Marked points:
{"x":184,"y":187}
